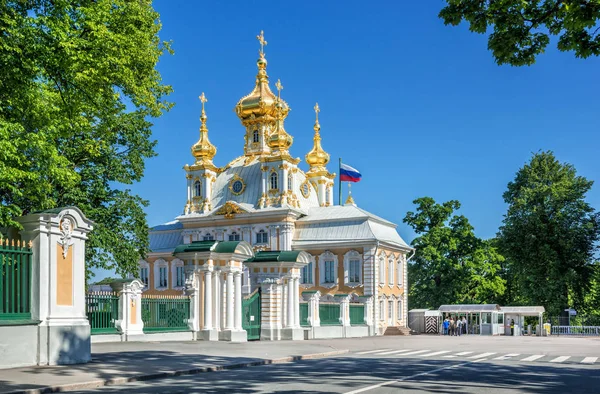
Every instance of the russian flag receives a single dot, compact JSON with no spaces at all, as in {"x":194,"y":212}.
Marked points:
{"x":349,"y":174}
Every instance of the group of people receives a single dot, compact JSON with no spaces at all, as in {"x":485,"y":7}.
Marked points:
{"x":455,"y":327}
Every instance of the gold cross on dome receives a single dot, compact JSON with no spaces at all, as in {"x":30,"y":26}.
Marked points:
{"x":203,"y":100}
{"x":261,"y":39}
{"x":279,"y":87}
{"x":317,"y":110}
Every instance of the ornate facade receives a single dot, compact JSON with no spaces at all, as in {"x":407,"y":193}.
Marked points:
{"x":263,"y":202}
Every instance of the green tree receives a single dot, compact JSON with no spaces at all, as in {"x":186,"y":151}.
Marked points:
{"x":78,"y":90}
{"x":549,"y":234}
{"x":522,"y":29}
{"x":451,"y":265}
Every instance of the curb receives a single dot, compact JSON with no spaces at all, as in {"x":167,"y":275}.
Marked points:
{"x":160,"y":375}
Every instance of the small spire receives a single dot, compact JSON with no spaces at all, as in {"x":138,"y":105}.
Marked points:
{"x":350,"y":200}
{"x":317,"y":158}
{"x":203,"y":150}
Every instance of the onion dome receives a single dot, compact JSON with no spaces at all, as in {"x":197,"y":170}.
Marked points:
{"x":317,"y":158}
{"x":203,"y":150}
{"x":261,"y":102}
{"x":280,"y":140}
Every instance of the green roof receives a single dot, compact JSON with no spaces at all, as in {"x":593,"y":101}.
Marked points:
{"x":207,"y":246}
{"x":227,"y":247}
{"x":266,"y":256}
{"x":196,"y":246}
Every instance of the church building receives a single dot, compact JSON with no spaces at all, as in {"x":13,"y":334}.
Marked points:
{"x":264,"y":229}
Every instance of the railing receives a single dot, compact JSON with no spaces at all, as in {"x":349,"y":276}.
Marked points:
{"x":165,"y":313}
{"x":102,"y":311}
{"x":576,"y":330}
{"x":357,"y":314}
{"x":15,"y":281}
{"x":329,"y":314}
{"x":304,"y":314}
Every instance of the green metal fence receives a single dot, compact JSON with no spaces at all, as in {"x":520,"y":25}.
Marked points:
{"x":357,"y":314}
{"x":165,"y":313}
{"x":304,"y":314}
{"x":102,"y":310}
{"x":329,"y":314}
{"x":15,"y":281}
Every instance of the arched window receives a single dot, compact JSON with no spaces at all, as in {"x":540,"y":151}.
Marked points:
{"x":391,"y":271}
{"x":234,"y":236}
{"x":290,"y":182}
{"x":262,"y":237}
{"x":197,"y":189}
{"x":208,"y":237}
{"x":274,"y":180}
{"x":255,"y":136}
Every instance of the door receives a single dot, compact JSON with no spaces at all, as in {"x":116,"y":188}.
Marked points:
{"x":251,"y":315}
{"x":390,"y":315}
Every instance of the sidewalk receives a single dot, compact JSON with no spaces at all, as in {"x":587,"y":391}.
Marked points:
{"x":118,"y":363}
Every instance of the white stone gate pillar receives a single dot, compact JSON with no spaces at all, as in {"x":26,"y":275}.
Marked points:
{"x":192,"y":289}
{"x":58,"y":284}
{"x":130,"y":322}
{"x":293,"y":330}
{"x":270,"y":311}
{"x":313,"y":307}
{"x":209,"y":333}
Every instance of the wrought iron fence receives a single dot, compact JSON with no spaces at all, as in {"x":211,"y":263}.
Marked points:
{"x":304,"y":314}
{"x":165,"y":313}
{"x":15,"y":280}
{"x":102,"y":310}
{"x":329,"y":314}
{"x":357,"y":314}
{"x":581,"y":325}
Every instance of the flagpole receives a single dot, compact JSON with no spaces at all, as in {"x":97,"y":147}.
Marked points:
{"x":340,"y":183}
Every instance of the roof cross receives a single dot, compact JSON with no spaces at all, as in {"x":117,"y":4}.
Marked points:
{"x":317,"y":110}
{"x":279,"y":87}
{"x":261,"y":39}
{"x":203,"y":100}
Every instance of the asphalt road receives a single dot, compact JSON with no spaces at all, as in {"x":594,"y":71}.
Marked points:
{"x":417,"y":364}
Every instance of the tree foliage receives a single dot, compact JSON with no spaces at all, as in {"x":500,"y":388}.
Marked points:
{"x":550,"y":234}
{"x":78,"y":88}
{"x":522,"y":29}
{"x":451,"y":265}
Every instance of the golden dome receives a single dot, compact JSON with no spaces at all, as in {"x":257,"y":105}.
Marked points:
{"x":261,"y":102}
{"x":203,"y":150}
{"x":280,"y":140}
{"x":317,"y":158}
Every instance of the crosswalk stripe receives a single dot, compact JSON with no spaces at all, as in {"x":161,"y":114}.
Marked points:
{"x":534,"y":357}
{"x":436,"y":353}
{"x":560,"y":359}
{"x":394,"y":352}
{"x":463,"y":353}
{"x":373,"y":351}
{"x":506,"y":356}
{"x":482,"y":355}
{"x":415,"y":352}
{"x":589,"y":360}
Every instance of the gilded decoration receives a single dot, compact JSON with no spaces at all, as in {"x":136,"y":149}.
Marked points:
{"x":229,"y":210}
{"x":203,"y":150}
{"x":237,"y":185}
{"x":317,"y":158}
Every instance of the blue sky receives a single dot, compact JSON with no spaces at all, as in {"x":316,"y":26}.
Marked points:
{"x":421,"y":109}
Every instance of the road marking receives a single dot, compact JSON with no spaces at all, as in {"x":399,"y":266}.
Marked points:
{"x":589,"y":360}
{"x":436,"y":353}
{"x":506,"y":356}
{"x":376,"y":386}
{"x":373,"y":351}
{"x":458,"y":354}
{"x":534,"y":357}
{"x":482,"y":355}
{"x":394,"y":352}
{"x":560,"y":359}
{"x":416,"y":352}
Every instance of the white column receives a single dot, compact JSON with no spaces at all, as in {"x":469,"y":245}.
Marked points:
{"x":217,"y":302}
{"x":296,"y":298}
{"x":290,"y":302}
{"x":229,"y":317}
{"x":237,"y":321}
{"x":208,"y":312}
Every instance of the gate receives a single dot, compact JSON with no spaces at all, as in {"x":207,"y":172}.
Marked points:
{"x":251,"y":315}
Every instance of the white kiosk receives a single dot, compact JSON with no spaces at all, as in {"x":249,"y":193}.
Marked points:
{"x":517,"y":314}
